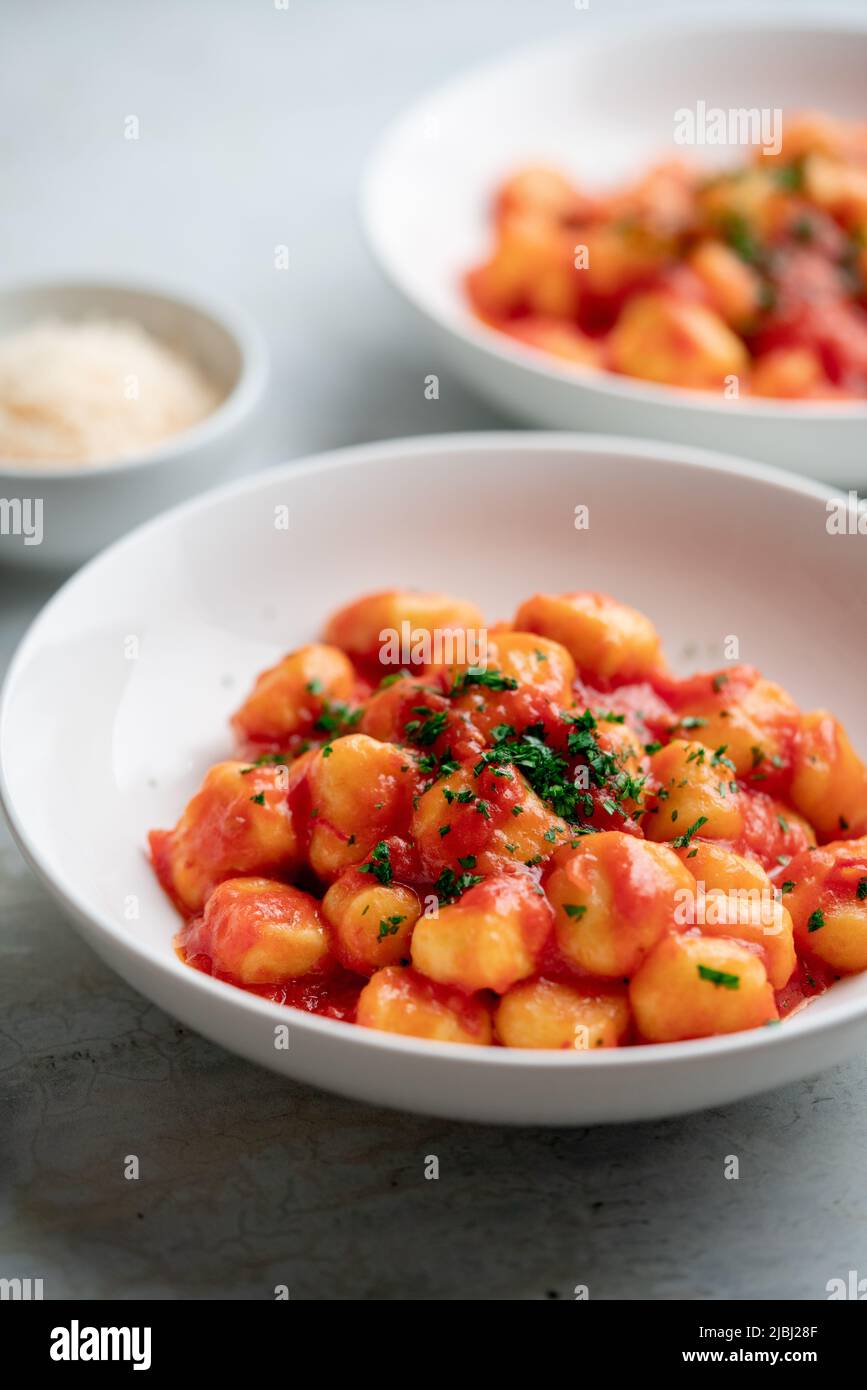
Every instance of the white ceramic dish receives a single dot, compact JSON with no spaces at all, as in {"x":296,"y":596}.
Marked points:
{"x":85,"y":507}
{"x":118,"y":697}
{"x":603,"y":108}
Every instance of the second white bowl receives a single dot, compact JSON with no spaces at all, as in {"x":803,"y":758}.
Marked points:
{"x":603,"y":109}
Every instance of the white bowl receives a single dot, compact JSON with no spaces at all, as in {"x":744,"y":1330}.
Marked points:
{"x":84,"y":507}
{"x":602,"y":108}
{"x":118,"y":698}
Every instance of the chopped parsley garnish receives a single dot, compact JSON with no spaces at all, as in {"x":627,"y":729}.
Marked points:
{"x":336,"y":717}
{"x":719,"y":977}
{"x":314,"y":687}
{"x":742,"y":239}
{"x":427,"y":730}
{"x":861,"y":890}
{"x":379,"y":864}
{"x":259,"y":798}
{"x":719,"y":681}
{"x":388,"y":926}
{"x":479,"y":675}
{"x":816,"y":920}
{"x":266,"y":759}
{"x":574,"y":910}
{"x":683,"y":840}
{"x":790,"y":176}
{"x":692,"y":721}
{"x":788,"y":886}
{"x":440,"y":767}
{"x":450,"y":885}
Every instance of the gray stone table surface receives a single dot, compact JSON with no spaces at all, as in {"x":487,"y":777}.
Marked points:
{"x":255,"y":120}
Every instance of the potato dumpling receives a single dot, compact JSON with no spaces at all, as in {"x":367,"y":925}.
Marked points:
{"x":259,"y":932}
{"x":659,"y":337}
{"x":613,"y":897}
{"x":605,"y":638}
{"x":813,"y":132}
{"x":752,"y":719}
{"x":238,"y":823}
{"x":696,"y":795}
{"x":838,"y":188}
{"x":371,"y":921}
{"x":696,"y":986}
{"x":480,"y":821}
{"x":734,"y":288}
{"x":396,"y":1000}
{"x":752,"y":198}
{"x":558,"y":337}
{"x":291,"y":697}
{"x":545,"y":191}
{"x":619,"y":258}
{"x":736,"y":899}
{"x":360,"y":792}
{"x":623,"y":790}
{"x":417,"y":713}
{"x":490,"y":938}
{"x":382,"y":629}
{"x":828,"y":903}
{"x":524,"y":675}
{"x":546,"y":1013}
{"x":515,"y":659}
{"x":788,"y":372}
{"x":532,"y":267}
{"x":829,"y":782}
{"x":772,"y":832}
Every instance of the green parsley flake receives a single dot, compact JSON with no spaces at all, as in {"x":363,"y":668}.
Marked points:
{"x":388,"y":926}
{"x":719,"y":977}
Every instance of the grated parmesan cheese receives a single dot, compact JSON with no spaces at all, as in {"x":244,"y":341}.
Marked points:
{"x":92,"y":391}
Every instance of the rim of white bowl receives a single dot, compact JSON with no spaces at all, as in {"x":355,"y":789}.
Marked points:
{"x":511,"y":352}
{"x":415,"y":450}
{"x":236,"y":405}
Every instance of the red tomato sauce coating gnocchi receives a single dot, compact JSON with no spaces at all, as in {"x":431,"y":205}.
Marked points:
{"x":533,"y":835}
{"x":754,"y":275}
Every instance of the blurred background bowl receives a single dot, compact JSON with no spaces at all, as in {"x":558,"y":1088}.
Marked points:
{"x":87,"y":505}
{"x":602,"y":107}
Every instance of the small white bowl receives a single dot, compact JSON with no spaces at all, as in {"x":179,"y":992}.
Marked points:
{"x":602,"y":107}
{"x":85,"y":506}
{"x":118,"y":699}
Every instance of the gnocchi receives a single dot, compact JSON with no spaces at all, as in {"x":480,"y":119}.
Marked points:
{"x":746,"y":280}
{"x":550,"y":841}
